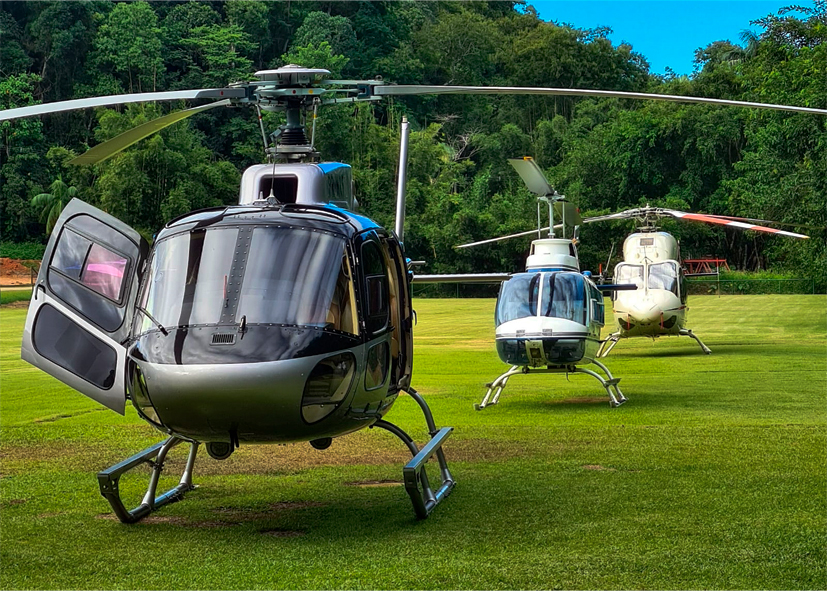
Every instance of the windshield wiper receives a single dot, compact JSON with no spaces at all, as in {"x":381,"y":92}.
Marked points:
{"x":152,"y":319}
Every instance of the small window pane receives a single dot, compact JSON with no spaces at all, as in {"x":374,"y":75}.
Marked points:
{"x":377,"y":369}
{"x":664,"y":276}
{"x":104,"y":272}
{"x":70,"y":253}
{"x":63,"y":342}
{"x":376,"y":296}
{"x":377,"y":287}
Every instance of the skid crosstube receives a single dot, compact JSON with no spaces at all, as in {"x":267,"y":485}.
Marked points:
{"x":495,"y":388}
{"x":155,"y":457}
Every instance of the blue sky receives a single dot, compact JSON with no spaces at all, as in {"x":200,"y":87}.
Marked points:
{"x":667,"y":33}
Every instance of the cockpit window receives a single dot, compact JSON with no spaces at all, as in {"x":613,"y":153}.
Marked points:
{"x":292,"y":276}
{"x":625,"y":273}
{"x":518,"y":298}
{"x":299,"y":277}
{"x":664,"y":276}
{"x":187,"y":280}
{"x":564,"y":296}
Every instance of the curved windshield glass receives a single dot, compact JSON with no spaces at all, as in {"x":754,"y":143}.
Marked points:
{"x":664,"y":276}
{"x":187,"y":279}
{"x":291,"y":276}
{"x":518,"y":297}
{"x":625,"y":273}
{"x":564,"y":296}
{"x":296,"y":276}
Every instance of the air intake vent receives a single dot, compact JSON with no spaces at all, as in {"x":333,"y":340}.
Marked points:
{"x":223,"y":338}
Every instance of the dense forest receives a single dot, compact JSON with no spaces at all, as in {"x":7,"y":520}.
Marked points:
{"x":604,"y":154}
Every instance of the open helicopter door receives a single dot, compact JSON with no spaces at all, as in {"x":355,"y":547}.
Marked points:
{"x":401,"y":317}
{"x":82,"y":305}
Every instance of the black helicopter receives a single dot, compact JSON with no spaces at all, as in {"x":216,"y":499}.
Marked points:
{"x":285,"y":318}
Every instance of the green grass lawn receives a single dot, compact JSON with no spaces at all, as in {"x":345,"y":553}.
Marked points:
{"x":9,"y":296}
{"x":711,"y":476}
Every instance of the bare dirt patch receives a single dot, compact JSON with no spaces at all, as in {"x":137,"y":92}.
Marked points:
{"x":17,"y":305}
{"x":14,"y":272}
{"x":14,"y":502}
{"x":366,"y":448}
{"x":374,"y":483}
{"x":236,"y":515}
{"x":54,"y":418}
{"x":282,"y":533}
{"x":169,"y":520}
{"x":598,"y":468}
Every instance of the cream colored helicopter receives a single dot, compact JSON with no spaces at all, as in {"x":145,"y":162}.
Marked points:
{"x":651,"y":260}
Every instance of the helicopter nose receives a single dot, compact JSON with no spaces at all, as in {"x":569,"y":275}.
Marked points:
{"x":646,"y":314}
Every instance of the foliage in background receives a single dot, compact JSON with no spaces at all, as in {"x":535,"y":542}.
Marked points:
{"x":603,"y":154}
{"x":22,"y":250}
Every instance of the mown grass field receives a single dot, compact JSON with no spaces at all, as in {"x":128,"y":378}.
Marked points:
{"x":711,"y":476}
{"x":9,"y":296}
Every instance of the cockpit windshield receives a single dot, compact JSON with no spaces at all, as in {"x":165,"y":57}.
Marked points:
{"x":664,"y":276}
{"x":559,"y":295}
{"x":564,"y":296}
{"x":518,"y":297}
{"x":187,"y":278}
{"x":626,"y":273}
{"x":291,"y":276}
{"x":297,"y":277}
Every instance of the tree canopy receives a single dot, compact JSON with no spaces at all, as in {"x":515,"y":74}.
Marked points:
{"x":604,"y":154}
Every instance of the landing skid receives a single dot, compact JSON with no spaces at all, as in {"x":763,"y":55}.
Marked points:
{"x":688,"y":333}
{"x":155,"y":456}
{"x":613,"y":338}
{"x":608,"y":344}
{"x":423,"y":497}
{"x":495,"y":388}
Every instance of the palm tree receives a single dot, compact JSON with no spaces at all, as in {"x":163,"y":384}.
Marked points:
{"x":53,"y":202}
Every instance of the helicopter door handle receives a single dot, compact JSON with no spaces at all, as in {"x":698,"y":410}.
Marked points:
{"x":37,"y":288}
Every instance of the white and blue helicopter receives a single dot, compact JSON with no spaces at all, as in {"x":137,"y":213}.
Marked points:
{"x":548,"y":317}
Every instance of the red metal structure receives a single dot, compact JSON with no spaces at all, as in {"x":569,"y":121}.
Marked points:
{"x":698,"y":266}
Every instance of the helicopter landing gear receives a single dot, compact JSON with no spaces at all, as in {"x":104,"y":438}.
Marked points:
{"x":688,"y":333}
{"x":423,"y":497}
{"x":611,"y":341}
{"x":497,"y":386}
{"x":616,"y":397}
{"x":108,"y":480}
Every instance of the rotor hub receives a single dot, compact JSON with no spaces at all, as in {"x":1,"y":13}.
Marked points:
{"x":293,"y":75}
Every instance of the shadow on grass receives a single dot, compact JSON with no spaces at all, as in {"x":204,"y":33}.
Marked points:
{"x":719,"y":350}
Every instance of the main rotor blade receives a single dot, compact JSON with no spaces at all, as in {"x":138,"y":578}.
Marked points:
{"x":757,"y":221}
{"x":699,"y":217}
{"x":463,"y":278}
{"x":121,"y":99}
{"x":119,"y":143}
{"x":403,"y":90}
{"x":620,"y":215}
{"x":499,"y":238}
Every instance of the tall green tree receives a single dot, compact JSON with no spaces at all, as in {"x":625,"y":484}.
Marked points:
{"x":51,"y":203}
